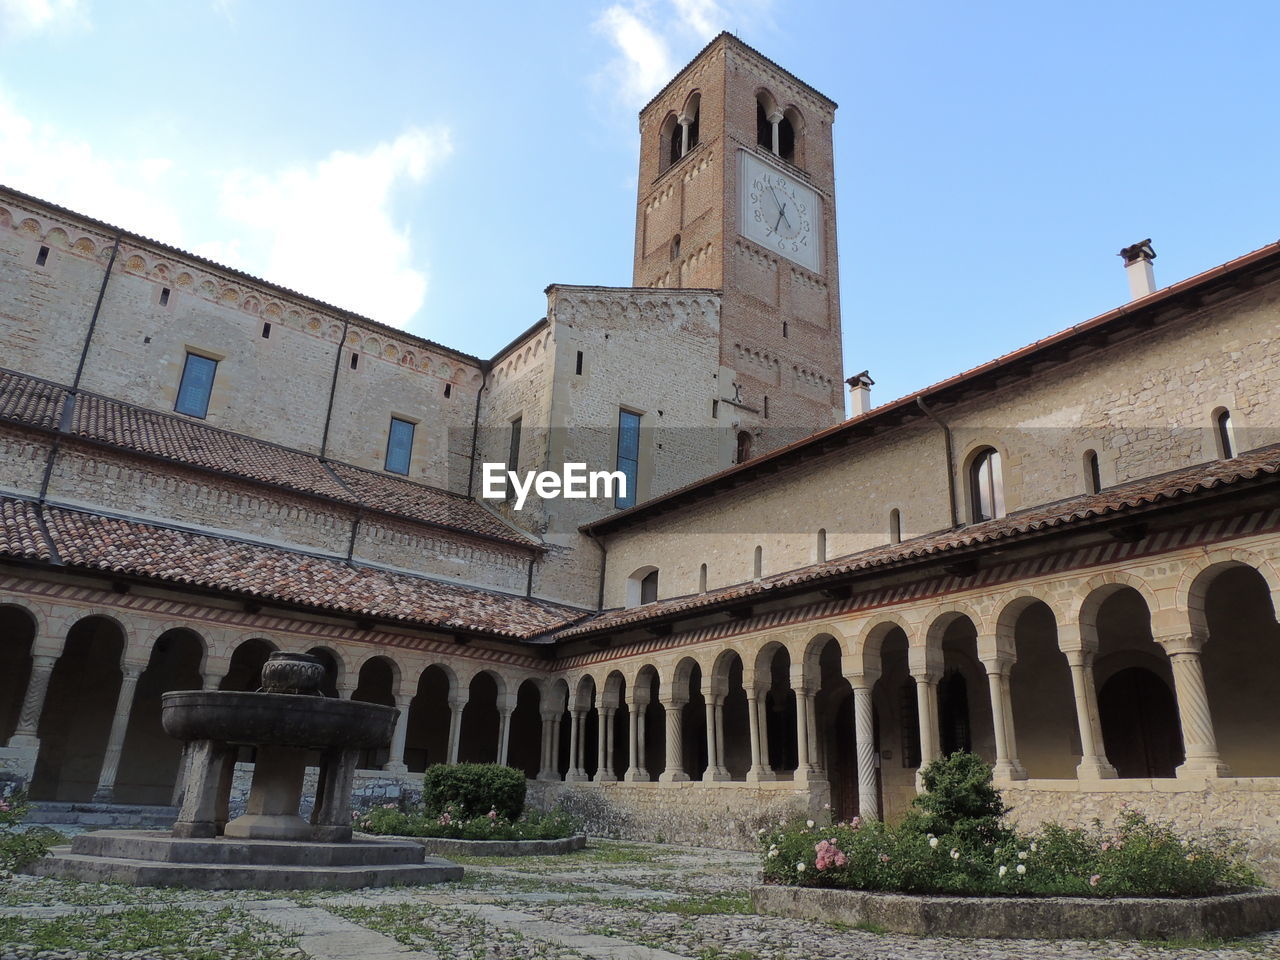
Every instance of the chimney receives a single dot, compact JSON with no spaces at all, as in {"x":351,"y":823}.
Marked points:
{"x":860,"y":385}
{"x":1137,"y":264}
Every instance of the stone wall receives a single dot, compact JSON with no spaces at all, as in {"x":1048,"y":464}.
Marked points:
{"x":1244,"y":808}
{"x":725,"y":815}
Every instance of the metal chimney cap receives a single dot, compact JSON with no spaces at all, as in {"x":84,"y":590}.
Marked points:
{"x":862,"y":379}
{"x":1138,"y":252}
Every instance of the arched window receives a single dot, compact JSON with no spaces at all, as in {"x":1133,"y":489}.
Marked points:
{"x":669,"y":140}
{"x":1092,"y":473}
{"x":986,"y":486}
{"x":895,"y":525}
{"x":675,"y":247}
{"x":820,"y":552}
{"x":759,"y":563}
{"x":679,"y":133}
{"x":1226,"y":435}
{"x":766,"y":116}
{"x":787,"y":137}
{"x":702,"y":579}
{"x":744,"y":446}
{"x":642,"y":586}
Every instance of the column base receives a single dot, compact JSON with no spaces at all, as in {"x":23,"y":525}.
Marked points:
{"x":716,"y":776}
{"x":809,"y":776}
{"x":1197,"y":767}
{"x":576,"y":776}
{"x":24,"y":741}
{"x":1009,"y":770}
{"x":605,"y":778}
{"x":676,"y":776}
{"x":399,"y":769}
{"x":636,"y":776}
{"x":761,"y":776}
{"x":104,"y":795}
{"x":1095,"y":768}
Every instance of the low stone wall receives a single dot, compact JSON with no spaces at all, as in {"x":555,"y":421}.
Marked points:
{"x":1245,"y":809}
{"x":724,"y":815}
{"x":1041,"y":918}
{"x":444,"y":847}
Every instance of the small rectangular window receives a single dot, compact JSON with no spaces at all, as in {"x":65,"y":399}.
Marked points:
{"x":164,"y":296}
{"x":513,"y":451}
{"x":785,"y":328}
{"x":448,"y":390}
{"x":715,"y":409}
{"x":399,"y":446}
{"x":42,"y":257}
{"x":578,"y":366}
{"x":628,"y":456}
{"x":355,"y":361}
{"x":266,"y":331}
{"x":196,"y":385}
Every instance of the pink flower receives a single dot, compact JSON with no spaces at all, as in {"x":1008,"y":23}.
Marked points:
{"x":1106,"y":845}
{"x":829,"y":855}
{"x":884,"y":858}
{"x":856,"y":822}
{"x":1093,"y":881}
{"x":493,"y":814}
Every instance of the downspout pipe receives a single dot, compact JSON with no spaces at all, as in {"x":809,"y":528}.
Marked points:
{"x":951,"y":464}
{"x":93,"y":320}
{"x":333,"y":389}
{"x":604,"y":559}
{"x":485,"y":369}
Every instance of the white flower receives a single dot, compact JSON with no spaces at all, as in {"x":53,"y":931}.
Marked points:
{"x":809,"y":824}
{"x":933,"y":842}
{"x":760,"y":832}
{"x":1022,"y":868}
{"x":1022,"y":854}
{"x":955,"y":854}
{"x":773,"y":852}
{"x":1003,"y":869}
{"x":800,"y":865}
{"x":1033,"y":846}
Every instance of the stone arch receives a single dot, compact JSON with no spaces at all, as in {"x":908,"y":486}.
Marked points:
{"x":1200,"y":572}
{"x":946,"y":614}
{"x":19,"y":631}
{"x":430,"y":716}
{"x":478,"y":741}
{"x":244,"y":666}
{"x":870,"y":636}
{"x":1046,"y":736}
{"x":525,"y":745}
{"x":336,"y":668}
{"x":392,"y":664}
{"x":1090,"y":595}
{"x":1005,"y":611}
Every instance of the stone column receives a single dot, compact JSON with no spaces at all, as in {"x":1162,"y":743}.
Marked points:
{"x":1198,"y":738}
{"x":775,"y":119}
{"x":457,"y":703}
{"x":1093,"y":764}
{"x":504,"y":732}
{"x":806,"y":730}
{"x":673,"y":708}
{"x":927,"y":713}
{"x":864,"y":731}
{"x":1007,"y":766}
{"x":604,"y":747}
{"x":684,"y":134}
{"x":26,"y":736}
{"x":210,"y":681}
{"x":577,"y":746}
{"x":130,"y":672}
{"x":635,"y":730}
{"x":713,"y":705}
{"x":760,"y":770}
{"x":395,"y":761}
{"x":203,"y":804}
{"x":550,"y":769}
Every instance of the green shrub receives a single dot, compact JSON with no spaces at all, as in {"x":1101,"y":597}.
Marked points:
{"x":18,"y":848}
{"x":959,"y":803}
{"x":473,"y":789}
{"x":534,"y":825}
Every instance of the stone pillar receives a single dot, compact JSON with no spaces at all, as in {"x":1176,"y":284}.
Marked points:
{"x":864,"y":731}
{"x":1093,"y":763}
{"x":927,"y":713}
{"x":760,"y":770}
{"x":130,"y":672}
{"x":395,"y":761}
{"x":604,"y":747}
{"x":577,"y":746}
{"x":1198,"y":738}
{"x":1007,"y":766}
{"x":457,"y":703}
{"x":26,"y":736}
{"x":684,"y":134}
{"x":209,"y":780}
{"x":713,"y":705}
{"x":331,"y":816}
{"x":550,"y":747}
{"x":673,"y":708}
{"x":806,"y":729}
{"x":635,"y":730}
{"x":505,"y":710}
{"x":210,"y":681}
{"x":774,"y":119}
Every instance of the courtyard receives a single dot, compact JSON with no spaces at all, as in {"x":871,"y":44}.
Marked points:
{"x":611,"y":900}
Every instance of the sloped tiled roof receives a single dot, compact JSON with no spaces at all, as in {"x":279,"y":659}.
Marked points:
{"x":128,"y":548}
{"x":31,"y":402}
{"x":1112,"y":501}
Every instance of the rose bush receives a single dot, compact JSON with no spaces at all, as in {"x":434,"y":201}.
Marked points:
{"x":19,"y":847}
{"x":452,"y":824}
{"x":955,"y":842}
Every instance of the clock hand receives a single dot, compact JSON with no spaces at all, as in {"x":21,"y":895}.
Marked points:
{"x":782,"y":212}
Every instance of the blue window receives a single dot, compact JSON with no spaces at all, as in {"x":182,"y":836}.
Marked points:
{"x":196,"y":385}
{"x":399,"y":446}
{"x":628,"y":455}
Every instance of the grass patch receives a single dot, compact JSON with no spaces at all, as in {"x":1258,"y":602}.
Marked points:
{"x":226,"y":934}
{"x":719,"y":904}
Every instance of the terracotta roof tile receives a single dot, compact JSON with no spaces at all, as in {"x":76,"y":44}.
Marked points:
{"x":130,"y":548}
{"x":30,"y":401}
{"x":1115,"y":500}
{"x":20,"y":534}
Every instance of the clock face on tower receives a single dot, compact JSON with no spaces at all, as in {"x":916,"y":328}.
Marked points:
{"x":779,"y":212}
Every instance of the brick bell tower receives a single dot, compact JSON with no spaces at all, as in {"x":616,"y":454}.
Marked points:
{"x":737,"y":193}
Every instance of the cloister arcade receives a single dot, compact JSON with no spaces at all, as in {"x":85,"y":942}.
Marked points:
{"x":1087,"y":678}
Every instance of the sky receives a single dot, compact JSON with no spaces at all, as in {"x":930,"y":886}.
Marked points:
{"x":435,"y":165}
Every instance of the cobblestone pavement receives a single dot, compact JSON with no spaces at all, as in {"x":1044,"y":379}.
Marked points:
{"x":612,"y":900}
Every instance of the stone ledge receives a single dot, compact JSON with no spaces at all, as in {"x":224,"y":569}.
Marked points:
{"x":1047,"y":918}
{"x":446,"y":847}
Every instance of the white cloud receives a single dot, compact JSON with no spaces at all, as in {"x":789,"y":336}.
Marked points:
{"x":20,"y":18}
{"x":648,"y":35}
{"x":304,"y":223}
{"x":40,"y":160}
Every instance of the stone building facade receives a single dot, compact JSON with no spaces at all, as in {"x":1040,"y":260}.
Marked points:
{"x":1066,"y":560}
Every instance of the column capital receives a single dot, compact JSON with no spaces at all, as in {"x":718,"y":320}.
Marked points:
{"x":43,"y":661}
{"x":458,"y":700}
{"x":1181,"y":644}
{"x":671,"y":702}
{"x":775,"y":117}
{"x":130,"y":670}
{"x":862,"y":681}
{"x":998,"y":665}
{"x":925,"y":663}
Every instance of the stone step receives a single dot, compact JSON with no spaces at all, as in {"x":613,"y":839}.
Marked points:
{"x":206,"y":876}
{"x":53,"y":813}
{"x":160,"y":847}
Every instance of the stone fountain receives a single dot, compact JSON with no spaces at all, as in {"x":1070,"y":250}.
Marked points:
{"x":270,"y":846}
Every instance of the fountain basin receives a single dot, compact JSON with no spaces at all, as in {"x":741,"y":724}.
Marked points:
{"x":276,"y":719}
